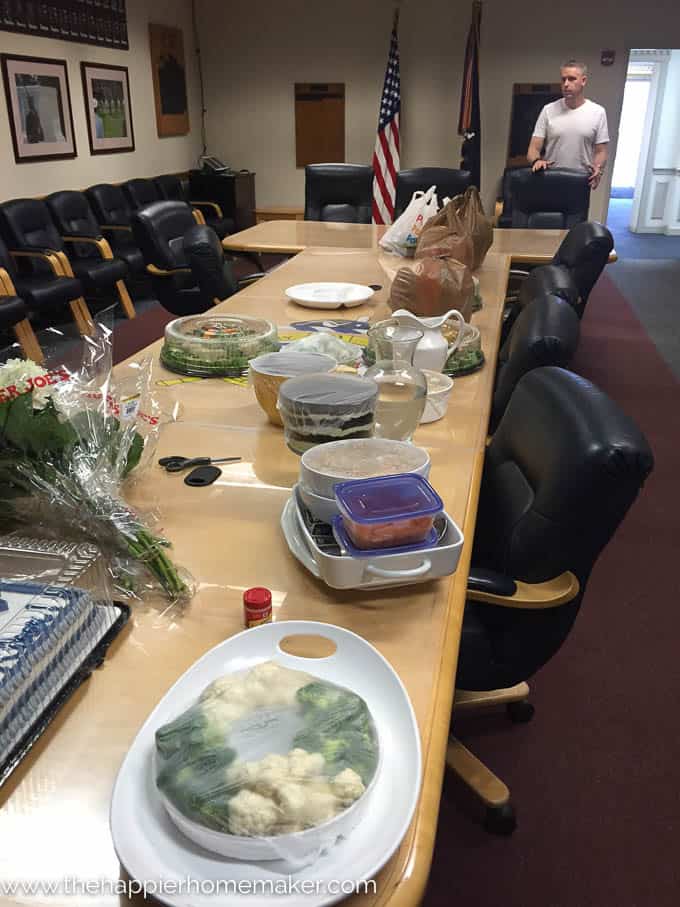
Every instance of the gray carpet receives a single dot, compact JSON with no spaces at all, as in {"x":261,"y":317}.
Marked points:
{"x":637,"y":245}
{"x":652,"y":287}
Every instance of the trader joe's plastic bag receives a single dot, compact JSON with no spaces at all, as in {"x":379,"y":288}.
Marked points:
{"x":433,"y":286}
{"x":402,"y":236}
{"x":268,"y":753}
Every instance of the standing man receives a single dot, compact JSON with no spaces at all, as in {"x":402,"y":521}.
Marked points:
{"x":573,"y":130}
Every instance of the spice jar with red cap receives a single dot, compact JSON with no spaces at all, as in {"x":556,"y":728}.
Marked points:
{"x":257,"y":606}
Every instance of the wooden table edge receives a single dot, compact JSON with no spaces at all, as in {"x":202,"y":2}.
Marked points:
{"x":408,"y":870}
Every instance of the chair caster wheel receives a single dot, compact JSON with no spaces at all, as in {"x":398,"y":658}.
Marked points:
{"x":500,"y":820}
{"x":520,"y":712}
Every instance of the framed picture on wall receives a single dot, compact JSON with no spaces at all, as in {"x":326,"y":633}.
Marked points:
{"x":39,"y":108}
{"x":107,"y":108}
{"x":169,"y":80}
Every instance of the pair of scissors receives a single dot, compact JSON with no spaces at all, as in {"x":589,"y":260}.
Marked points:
{"x":178,"y":464}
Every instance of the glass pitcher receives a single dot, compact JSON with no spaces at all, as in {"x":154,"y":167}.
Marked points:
{"x":402,"y":388}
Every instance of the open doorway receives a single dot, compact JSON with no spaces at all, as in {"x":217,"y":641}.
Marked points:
{"x":644,"y":205}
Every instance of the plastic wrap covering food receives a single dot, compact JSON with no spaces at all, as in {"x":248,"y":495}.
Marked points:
{"x":326,"y":341}
{"x":56,"y":609}
{"x":268,"y":372}
{"x":70,"y":436}
{"x":268,"y":753}
{"x":216,"y":345}
{"x":319,"y":408}
{"x":433,"y":286}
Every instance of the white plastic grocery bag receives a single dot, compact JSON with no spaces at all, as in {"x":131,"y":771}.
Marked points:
{"x":402,"y":236}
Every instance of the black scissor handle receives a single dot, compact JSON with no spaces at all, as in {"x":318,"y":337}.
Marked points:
{"x":178,"y":465}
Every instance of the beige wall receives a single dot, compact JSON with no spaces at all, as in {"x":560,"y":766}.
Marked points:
{"x":253,"y":53}
{"x":152,"y":155}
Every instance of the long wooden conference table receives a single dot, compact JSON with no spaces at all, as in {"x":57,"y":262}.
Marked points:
{"x":54,"y":815}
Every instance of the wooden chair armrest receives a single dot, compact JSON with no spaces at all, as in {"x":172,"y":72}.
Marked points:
{"x":50,"y":256}
{"x":159,"y":272}
{"x":7,"y":287}
{"x":498,"y":210}
{"x":534,"y":596}
{"x":216,"y":208}
{"x":102,"y":244}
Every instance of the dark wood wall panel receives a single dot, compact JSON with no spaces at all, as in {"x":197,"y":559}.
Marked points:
{"x":319,"y":123}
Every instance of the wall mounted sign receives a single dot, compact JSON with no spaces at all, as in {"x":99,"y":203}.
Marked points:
{"x":101,"y":22}
{"x":169,"y":80}
{"x":39,"y":108}
{"x":107,"y":108}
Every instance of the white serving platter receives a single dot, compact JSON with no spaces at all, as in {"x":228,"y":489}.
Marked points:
{"x":376,"y":572}
{"x":329,"y":295}
{"x":155,"y":852}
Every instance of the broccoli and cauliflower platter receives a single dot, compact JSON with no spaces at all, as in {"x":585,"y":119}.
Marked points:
{"x":266,"y":752}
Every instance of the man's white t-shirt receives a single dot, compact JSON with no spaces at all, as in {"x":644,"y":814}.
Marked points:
{"x":570,"y":135}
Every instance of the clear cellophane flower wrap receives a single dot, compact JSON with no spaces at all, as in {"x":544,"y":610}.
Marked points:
{"x":267,"y":752}
{"x":433,"y":286}
{"x":71,"y":436}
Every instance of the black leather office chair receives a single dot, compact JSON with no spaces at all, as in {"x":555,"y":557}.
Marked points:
{"x":212,"y":272}
{"x":14,"y":317}
{"x":338,"y":192}
{"x":546,"y":332}
{"x":114,"y":217}
{"x":37,"y":264}
{"x":449,"y":183}
{"x":561,"y":471}
{"x":91,"y":256}
{"x":140,"y":192}
{"x":159,"y":231}
{"x":172,"y":188}
{"x":574,"y":270}
{"x":553,"y":199}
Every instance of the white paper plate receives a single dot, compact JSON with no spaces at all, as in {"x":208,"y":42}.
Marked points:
{"x":329,"y":295}
{"x":152,"y":849}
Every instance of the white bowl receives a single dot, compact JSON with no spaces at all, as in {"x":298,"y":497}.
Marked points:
{"x":325,"y":465}
{"x":322,"y":508}
{"x":439,"y":387}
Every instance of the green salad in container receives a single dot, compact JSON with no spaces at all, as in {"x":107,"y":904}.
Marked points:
{"x":213,"y":346}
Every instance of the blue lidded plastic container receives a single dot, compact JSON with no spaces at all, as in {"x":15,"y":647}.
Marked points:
{"x":388,"y":511}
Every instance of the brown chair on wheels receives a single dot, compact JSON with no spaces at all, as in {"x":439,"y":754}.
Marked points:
{"x":45,"y":282}
{"x":560,"y":473}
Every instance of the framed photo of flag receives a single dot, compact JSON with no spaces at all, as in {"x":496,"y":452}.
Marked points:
{"x":107,"y":108}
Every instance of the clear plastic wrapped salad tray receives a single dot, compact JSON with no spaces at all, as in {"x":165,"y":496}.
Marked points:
{"x":336,"y":807}
{"x":218,"y":345}
{"x":314,"y":544}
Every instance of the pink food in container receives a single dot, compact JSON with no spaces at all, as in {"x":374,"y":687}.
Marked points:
{"x":388,"y":511}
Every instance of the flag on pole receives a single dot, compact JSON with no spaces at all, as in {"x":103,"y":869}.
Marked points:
{"x":469,"y":124}
{"x":386,"y":154}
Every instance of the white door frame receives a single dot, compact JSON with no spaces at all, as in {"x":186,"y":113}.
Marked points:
{"x":649,"y":132}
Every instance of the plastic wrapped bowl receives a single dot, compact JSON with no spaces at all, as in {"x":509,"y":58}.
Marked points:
{"x":268,"y":372}
{"x":468,"y":356}
{"x":322,"y":467}
{"x":212,"y":346}
{"x":316,"y":409}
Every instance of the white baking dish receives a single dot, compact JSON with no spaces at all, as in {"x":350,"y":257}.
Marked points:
{"x":377,"y":571}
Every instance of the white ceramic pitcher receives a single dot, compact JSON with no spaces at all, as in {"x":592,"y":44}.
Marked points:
{"x":433,"y":350}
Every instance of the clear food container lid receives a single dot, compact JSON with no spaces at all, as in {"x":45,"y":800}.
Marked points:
{"x":219,"y":330}
{"x":386,"y":499}
{"x":343,"y":539}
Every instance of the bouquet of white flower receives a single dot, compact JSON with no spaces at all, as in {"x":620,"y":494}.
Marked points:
{"x":68,"y":439}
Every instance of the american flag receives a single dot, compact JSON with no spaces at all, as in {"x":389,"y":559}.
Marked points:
{"x":386,"y":154}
